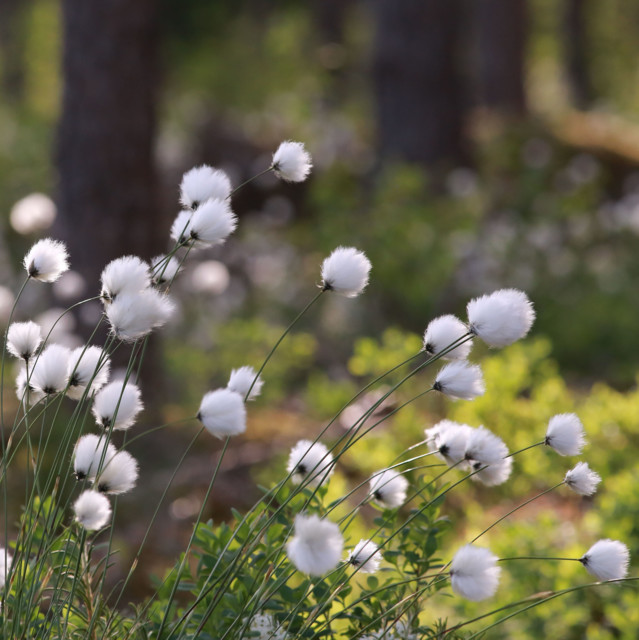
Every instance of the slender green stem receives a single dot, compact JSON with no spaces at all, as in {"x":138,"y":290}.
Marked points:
{"x":243,"y":184}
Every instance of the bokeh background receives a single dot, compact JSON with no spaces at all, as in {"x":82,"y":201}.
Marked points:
{"x":463,"y":145}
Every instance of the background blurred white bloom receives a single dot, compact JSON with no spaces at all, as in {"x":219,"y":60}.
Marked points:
{"x":366,"y":556}
{"x":33,"y":213}
{"x":388,"y":488}
{"x":474,"y":573}
{"x":316,"y":546}
{"x":309,"y":461}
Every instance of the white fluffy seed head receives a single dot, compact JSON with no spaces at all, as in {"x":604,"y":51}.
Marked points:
{"x":450,"y":440}
{"x":50,"y":372}
{"x":47,"y":260}
{"x":5,"y":562}
{"x":88,"y":367}
{"x":493,"y":474}
{"x":117,"y":405}
{"x":316,"y":546}
{"x":607,"y":560}
{"x":291,"y":162}
{"x":212,"y":223}
{"x":565,"y":434}
{"x":502,"y":317}
{"x":474,"y":573}
{"x":223,"y":413}
{"x":310,"y":463}
{"x":388,"y":488}
{"x":365,"y":556}
{"x":180,"y":229}
{"x":241,"y":380}
{"x":21,"y":389}
{"x":23,"y":339}
{"x":134,"y":315}
{"x":128,"y":274}
{"x":460,"y":380}
{"x":202,"y":183}
{"x":164,"y":270}
{"x":91,"y":454}
{"x":92,"y":510}
{"x":582,"y":479}
{"x":443,"y":332}
{"x":119,"y":475}
{"x":346,"y":272}
{"x":485,"y":447}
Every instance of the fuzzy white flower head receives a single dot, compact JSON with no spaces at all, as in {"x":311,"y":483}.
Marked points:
{"x":460,"y":380}
{"x":88,"y":366}
{"x":23,"y":338}
{"x":119,"y":475}
{"x":346,"y":272}
{"x":92,"y":510}
{"x":50,"y":372}
{"x":267,"y":627}
{"x":444,"y":331}
{"x":180,"y":228}
{"x":117,"y":405}
{"x":366,"y":556}
{"x":128,"y":274}
{"x":502,"y":317}
{"x":309,"y":462}
{"x":492,"y":474}
{"x":485,"y":447}
{"x":5,"y":562}
{"x":21,"y":388}
{"x":474,"y":573}
{"x":91,"y":453}
{"x":565,"y":434}
{"x":316,"y":546}
{"x":212,"y":223}
{"x":607,"y":560}
{"x":582,"y":479}
{"x":164,"y":269}
{"x":450,"y":440}
{"x":47,"y":260}
{"x":223,"y":413}
{"x":243,"y":379}
{"x":291,"y":162}
{"x":133,"y":315}
{"x":202,"y":183}
{"x":388,"y":488}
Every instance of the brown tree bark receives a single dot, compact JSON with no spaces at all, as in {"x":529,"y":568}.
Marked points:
{"x":418,"y":81}
{"x":576,"y":52}
{"x":107,"y":182}
{"x":12,"y":13}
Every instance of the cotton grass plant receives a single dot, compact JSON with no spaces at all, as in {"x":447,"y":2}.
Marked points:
{"x":291,"y":566}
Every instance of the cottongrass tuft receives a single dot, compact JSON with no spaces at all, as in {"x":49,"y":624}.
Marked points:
{"x":23,"y":339}
{"x":128,"y":274}
{"x":485,"y":447}
{"x":243,"y":379}
{"x":47,"y":260}
{"x":266,"y":628}
{"x":607,"y":560}
{"x":474,"y":573}
{"x":89,"y":367}
{"x":180,"y":227}
{"x":365,"y":556}
{"x":582,"y":479}
{"x":223,"y":413}
{"x":21,"y":388}
{"x":388,"y":488}
{"x":91,"y":453}
{"x":92,"y":510}
{"x":212,"y":223}
{"x":291,"y":162}
{"x":202,"y":183}
{"x":316,"y":546}
{"x":460,"y":380}
{"x":450,"y":440}
{"x":492,"y":474}
{"x":164,"y":269}
{"x":5,"y":562}
{"x":311,"y":462}
{"x":50,"y":372}
{"x":444,"y":331}
{"x":117,"y":405}
{"x":501,"y":318}
{"x":119,"y":475}
{"x":346,"y":272}
{"x":565,"y":434}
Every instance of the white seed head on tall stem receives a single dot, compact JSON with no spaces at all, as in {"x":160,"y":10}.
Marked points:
{"x":450,"y":440}
{"x":223,"y":413}
{"x":311,"y":462}
{"x":291,"y":162}
{"x":50,"y":372}
{"x":5,"y":562}
{"x":346,"y":272}
{"x":164,"y":269}
{"x":460,"y":380}
{"x":582,"y":479}
{"x":243,"y":379}
{"x":128,"y":274}
{"x":365,"y":556}
{"x":485,"y":447}
{"x":492,"y":474}
{"x":92,"y":510}
{"x":212,"y":223}
{"x":134,"y":315}
{"x":203,"y":183}
{"x":316,"y":546}
{"x":88,"y":366}
{"x":607,"y":560}
{"x":443,"y":332}
{"x":23,"y":339}
{"x":90,"y":454}
{"x":117,"y":405}
{"x":501,"y":318}
{"x":388,"y":488}
{"x":119,"y":475}
{"x":47,"y":260}
{"x":180,"y":229}
{"x":565,"y":434}
{"x":474,"y":573}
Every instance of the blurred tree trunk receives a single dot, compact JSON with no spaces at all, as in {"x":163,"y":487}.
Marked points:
{"x":418,"y":83}
{"x":501,"y":37}
{"x":107,"y":188}
{"x":12,"y":14}
{"x":576,"y":52}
